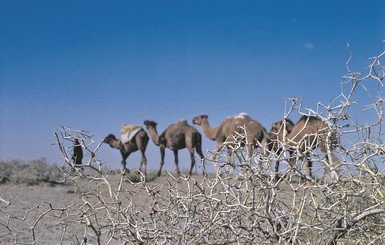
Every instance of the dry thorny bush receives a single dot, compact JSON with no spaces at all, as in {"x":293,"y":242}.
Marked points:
{"x":241,"y":203}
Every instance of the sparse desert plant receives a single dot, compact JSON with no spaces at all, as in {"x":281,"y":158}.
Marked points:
{"x":7,"y":169}
{"x":137,"y":177}
{"x":242,"y":202}
{"x":31,"y":173}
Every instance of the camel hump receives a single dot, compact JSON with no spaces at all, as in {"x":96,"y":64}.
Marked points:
{"x":242,"y":115}
{"x":310,"y":119}
{"x":182,"y":122}
{"x":127,"y":132}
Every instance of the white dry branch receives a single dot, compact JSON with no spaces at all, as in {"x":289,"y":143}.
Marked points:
{"x":242,"y":202}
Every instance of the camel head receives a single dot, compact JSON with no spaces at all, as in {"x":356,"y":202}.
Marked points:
{"x":198,"y":119}
{"x":276,"y":131}
{"x":149,"y":124}
{"x":109,"y":138}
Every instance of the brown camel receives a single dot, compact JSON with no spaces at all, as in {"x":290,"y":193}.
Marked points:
{"x":308,"y":133}
{"x":175,"y":137}
{"x":278,"y":133}
{"x":233,"y":126}
{"x":137,"y":142}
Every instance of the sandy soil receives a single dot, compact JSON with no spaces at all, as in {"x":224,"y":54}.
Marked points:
{"x":50,"y":214}
{"x":53,"y":214}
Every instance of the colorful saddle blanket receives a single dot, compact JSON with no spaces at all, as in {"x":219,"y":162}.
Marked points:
{"x":128,"y":132}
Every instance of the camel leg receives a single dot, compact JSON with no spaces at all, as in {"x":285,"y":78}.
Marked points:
{"x":162,"y":152}
{"x":124,"y":169}
{"x":307,"y":165}
{"x":335,"y":162}
{"x":198,"y":149}
{"x":230,"y":156}
{"x":292,"y":161}
{"x":218,"y":148}
{"x":124,"y":158}
{"x":276,"y":165}
{"x":276,"y":170}
{"x":177,"y":161}
{"x":191,"y":150}
{"x":143,"y":162}
{"x":322,"y":179}
{"x":250,"y":151}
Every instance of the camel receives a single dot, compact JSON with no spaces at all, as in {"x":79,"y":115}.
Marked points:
{"x":308,"y":133}
{"x":175,"y":137}
{"x":277,"y":134}
{"x":137,"y":141}
{"x":233,"y":126}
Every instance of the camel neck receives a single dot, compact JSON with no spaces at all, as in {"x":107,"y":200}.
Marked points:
{"x":154,"y":135}
{"x":210,"y":132}
{"x":114,"y":143}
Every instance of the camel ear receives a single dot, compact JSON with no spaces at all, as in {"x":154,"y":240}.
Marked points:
{"x":275,"y":127}
{"x":204,"y":116}
{"x":108,"y":138}
{"x":149,"y":123}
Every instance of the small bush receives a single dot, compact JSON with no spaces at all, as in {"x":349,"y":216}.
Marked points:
{"x":7,"y":169}
{"x":31,"y":173}
{"x":135,"y":177}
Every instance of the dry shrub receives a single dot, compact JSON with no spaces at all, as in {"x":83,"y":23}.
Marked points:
{"x":31,"y":173}
{"x":137,"y":177}
{"x":242,"y":202}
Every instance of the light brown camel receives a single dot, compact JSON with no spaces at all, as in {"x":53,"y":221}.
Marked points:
{"x":308,"y":133}
{"x":233,"y":126}
{"x":175,"y":137}
{"x":137,"y":142}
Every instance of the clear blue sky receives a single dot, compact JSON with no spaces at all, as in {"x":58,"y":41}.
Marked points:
{"x":95,"y":65}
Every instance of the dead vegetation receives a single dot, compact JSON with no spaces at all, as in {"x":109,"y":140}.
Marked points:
{"x":242,"y":202}
{"x":30,"y":173}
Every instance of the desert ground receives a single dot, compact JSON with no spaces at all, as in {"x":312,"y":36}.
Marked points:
{"x":22,"y":207}
{"x":51,"y":214}
{"x":108,"y":208}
